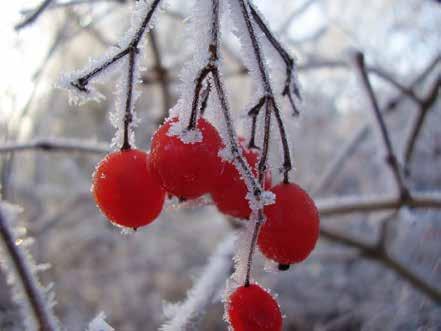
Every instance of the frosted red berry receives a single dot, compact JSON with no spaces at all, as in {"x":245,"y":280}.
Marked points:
{"x":251,"y":308}
{"x":126,"y":190}
{"x":229,"y":195}
{"x":292,"y":225}
{"x":187,"y":170}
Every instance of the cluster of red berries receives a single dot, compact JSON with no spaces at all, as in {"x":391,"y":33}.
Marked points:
{"x":130,"y":185}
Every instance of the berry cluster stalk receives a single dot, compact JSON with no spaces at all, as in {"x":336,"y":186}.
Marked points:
{"x":270,"y":106}
{"x":132,"y":52}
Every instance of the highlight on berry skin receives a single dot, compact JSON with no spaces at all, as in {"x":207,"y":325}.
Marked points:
{"x":252,"y":308}
{"x":126,"y":191}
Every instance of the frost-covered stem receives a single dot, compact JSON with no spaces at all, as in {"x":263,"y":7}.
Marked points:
{"x":288,"y":59}
{"x":254,"y":112}
{"x":205,"y":95}
{"x":35,"y":14}
{"x":81,"y":82}
{"x":356,"y":204}
{"x":33,"y":293}
{"x":375,"y":253}
{"x":272,"y":107}
{"x":253,"y":243}
{"x":256,"y":187}
{"x":212,"y":69}
{"x":128,"y":116}
{"x":424,"y":107}
{"x":391,"y":159}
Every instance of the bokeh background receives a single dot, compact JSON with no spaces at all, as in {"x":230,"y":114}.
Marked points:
{"x":94,"y":268}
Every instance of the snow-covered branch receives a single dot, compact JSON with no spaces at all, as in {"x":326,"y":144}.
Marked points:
{"x":36,"y":302}
{"x":125,"y":55}
{"x":208,"y":284}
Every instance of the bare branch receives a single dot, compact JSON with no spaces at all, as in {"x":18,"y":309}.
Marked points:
{"x":391,"y":158}
{"x":56,"y":145}
{"x":337,"y":163}
{"x":374,"y":252}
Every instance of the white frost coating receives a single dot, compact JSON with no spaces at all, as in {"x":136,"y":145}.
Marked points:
{"x":198,"y":35}
{"x":9,"y":214}
{"x":242,"y":249}
{"x":118,"y":115}
{"x":212,"y":277}
{"x":246,"y":49}
{"x":99,"y":324}
{"x":120,"y":67}
{"x":186,"y":136}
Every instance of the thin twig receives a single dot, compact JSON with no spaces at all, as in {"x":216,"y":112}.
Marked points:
{"x":290,"y":87}
{"x":131,"y":51}
{"x":391,"y":158}
{"x":36,"y":299}
{"x":425,"y":106}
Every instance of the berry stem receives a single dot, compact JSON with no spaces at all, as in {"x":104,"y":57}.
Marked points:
{"x":211,"y":70}
{"x":270,"y":106}
{"x":81,"y":82}
{"x":288,"y":90}
{"x":128,"y":116}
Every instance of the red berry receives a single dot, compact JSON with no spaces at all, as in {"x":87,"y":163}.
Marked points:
{"x":251,"y":308}
{"x":230,"y":193}
{"x":187,"y":170}
{"x":292,"y":225}
{"x":125,"y":189}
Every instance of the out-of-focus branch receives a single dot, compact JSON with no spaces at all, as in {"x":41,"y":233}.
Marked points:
{"x":424,"y":108}
{"x":35,"y":14}
{"x":161,"y":75}
{"x":56,"y":145}
{"x":337,"y":163}
{"x":356,"y":204}
{"x":391,"y":158}
{"x":295,"y":14}
{"x":36,"y":299}
{"x":379,"y":253}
